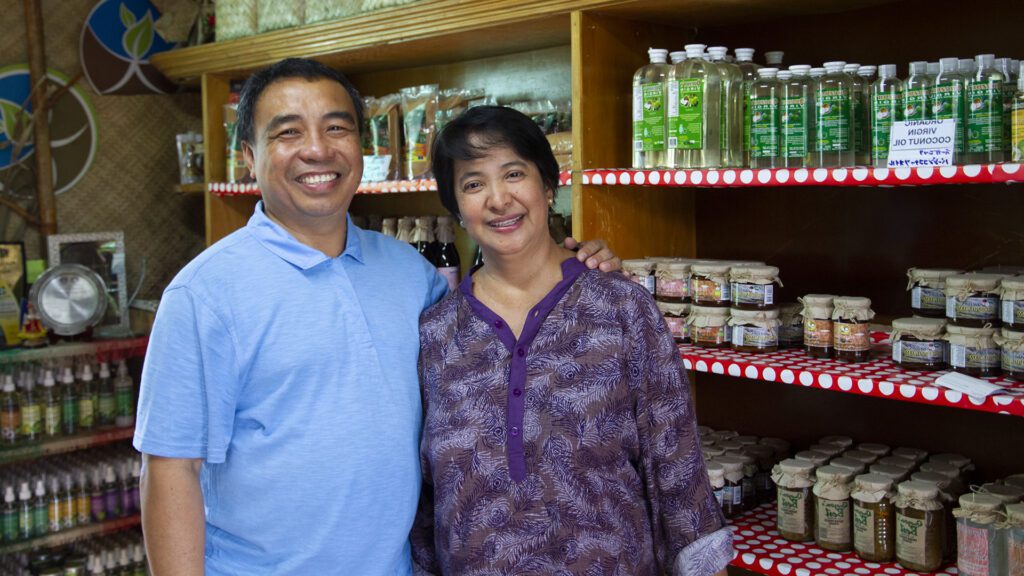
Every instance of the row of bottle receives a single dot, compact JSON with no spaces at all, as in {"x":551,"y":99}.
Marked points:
{"x":118,"y":554}
{"x":61,"y":493}
{"x":702,"y":111}
{"x":44,"y":400}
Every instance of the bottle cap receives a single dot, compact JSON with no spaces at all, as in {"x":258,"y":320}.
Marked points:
{"x":87,"y":373}
{"x":867,"y":70}
{"x":851,"y":68}
{"x":948,"y":64}
{"x":48,"y":379}
{"x":25,"y":493}
{"x":918,"y":67}
{"x":985,"y":60}
{"x":718,"y":52}
{"x":816,"y":72}
{"x":9,"y":494}
{"x":677,"y":57}
{"x":887,"y":70}
{"x":40,"y":489}
{"x":122,"y":366}
{"x":965,"y":65}
{"x":694,"y":50}
{"x":67,"y":377}
{"x":933,"y":68}
{"x":8,"y":382}
{"x":657,"y":55}
{"x":835,"y":66}
{"x":784,"y":75}
{"x":800,"y":69}
{"x":137,"y":555}
{"x":767,"y":72}
{"x":109,"y":476}
{"x":774,"y":57}
{"x":744,"y":54}
{"x":104,"y":370}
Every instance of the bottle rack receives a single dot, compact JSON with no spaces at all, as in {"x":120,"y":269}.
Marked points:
{"x":68,"y":536}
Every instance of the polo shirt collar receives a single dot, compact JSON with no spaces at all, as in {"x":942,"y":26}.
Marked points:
{"x":281,"y":242}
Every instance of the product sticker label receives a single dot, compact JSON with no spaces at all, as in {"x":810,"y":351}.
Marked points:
{"x":673,"y":288}
{"x":416,"y":150}
{"x":834,"y":521}
{"x":690,"y":128}
{"x":647,"y":282}
{"x":920,"y":352}
{"x":984,"y":116}
{"x":852,"y":337}
{"x":672,"y":113}
{"x":792,"y":511}
{"x":746,"y":117}
{"x":948,"y":104}
{"x":971,"y":549}
{"x":54,"y":516}
{"x":677,"y":326}
{"x":915,"y":104}
{"x":925,"y":298}
{"x":451,"y":274}
{"x":1015,"y":548}
{"x":1017,"y":132}
{"x":737,"y":495}
{"x":649,"y":117}
{"x":720,"y":496}
{"x":794,"y":128}
{"x":833,"y":120}
{"x":10,"y":422}
{"x":973,"y":308}
{"x":885,"y":109}
{"x":85,"y":412}
{"x":31,"y":420}
{"x":818,"y":333}
{"x":1013,"y":361}
{"x":51,"y":420}
{"x":864,"y":530}
{"x":753,"y":294}
{"x":106,"y":407}
{"x":707,"y":290}
{"x":764,"y":126}
{"x":755,"y":336}
{"x":961,"y":356}
{"x":1013,"y":311}
{"x":710,"y":334}
{"x":83,"y":506}
{"x":911,"y":539}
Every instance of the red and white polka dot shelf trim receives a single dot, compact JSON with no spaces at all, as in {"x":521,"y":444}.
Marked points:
{"x":386,"y":187}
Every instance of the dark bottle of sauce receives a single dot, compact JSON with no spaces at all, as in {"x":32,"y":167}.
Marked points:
{"x":447,"y":261}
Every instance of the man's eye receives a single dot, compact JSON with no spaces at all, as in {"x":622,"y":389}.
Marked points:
{"x":516,"y":174}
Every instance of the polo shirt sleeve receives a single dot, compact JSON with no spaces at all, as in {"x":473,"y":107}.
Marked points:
{"x":189,"y":382}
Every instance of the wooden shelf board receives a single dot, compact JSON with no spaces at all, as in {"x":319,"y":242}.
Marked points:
{"x":21,"y":452}
{"x":68,"y":536}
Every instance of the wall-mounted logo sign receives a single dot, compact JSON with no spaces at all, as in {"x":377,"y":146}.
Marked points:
{"x":117,"y":42}
{"x":73,"y":133}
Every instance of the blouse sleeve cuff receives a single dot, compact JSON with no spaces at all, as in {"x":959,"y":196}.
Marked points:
{"x":706,"y":556}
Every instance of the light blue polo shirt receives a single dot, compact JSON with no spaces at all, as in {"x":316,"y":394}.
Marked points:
{"x":293,"y":375}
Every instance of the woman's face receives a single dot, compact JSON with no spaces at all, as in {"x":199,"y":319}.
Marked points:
{"x":503,"y":202}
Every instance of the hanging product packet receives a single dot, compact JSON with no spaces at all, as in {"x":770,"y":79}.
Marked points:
{"x":455,"y":101}
{"x":419,"y":114}
{"x":384,"y":134}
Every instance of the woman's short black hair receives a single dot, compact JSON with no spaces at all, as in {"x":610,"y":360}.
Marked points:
{"x":478,"y":130}
{"x":288,"y":68}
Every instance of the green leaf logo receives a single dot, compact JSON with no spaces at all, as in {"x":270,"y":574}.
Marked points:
{"x":127,"y":18}
{"x":139,"y":38}
{"x":11,"y":113}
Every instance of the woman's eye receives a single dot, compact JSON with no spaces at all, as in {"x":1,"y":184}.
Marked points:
{"x":471,"y":186}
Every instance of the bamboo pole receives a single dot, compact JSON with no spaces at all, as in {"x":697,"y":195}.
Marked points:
{"x":40,"y":113}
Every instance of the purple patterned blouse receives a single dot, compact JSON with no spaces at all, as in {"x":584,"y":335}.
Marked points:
{"x":573,"y":450}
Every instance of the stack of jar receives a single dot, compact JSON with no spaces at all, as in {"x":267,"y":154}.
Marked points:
{"x":957,"y":320}
{"x":837,"y":327}
{"x":739,"y":468}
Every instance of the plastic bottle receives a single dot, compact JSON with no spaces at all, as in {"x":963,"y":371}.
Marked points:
{"x":795,"y":129}
{"x":865,"y":77}
{"x":886,"y":108}
{"x":112,"y":493}
{"x":868,"y":73}
{"x":124,"y":482}
{"x":773,"y":58}
{"x":447,"y":256}
{"x":31,"y":410}
{"x":68,"y":504}
{"x":106,"y":405}
{"x":650,"y":103}
{"x":138,"y":561}
{"x":833,"y":98}
{"x":69,"y":403}
{"x":1005,"y":66}
{"x":916,"y":92}
{"x":83,"y":507}
{"x":861,"y":95}
{"x":52,"y":408}
{"x":111,"y":563}
{"x":763,"y":108}
{"x":96,"y":566}
{"x":97,"y":496}
{"x":54,"y":512}
{"x":966,"y":67}
{"x":26,"y":513}
{"x":816,"y":72}
{"x":695,"y":95}
{"x":86,"y":400}
{"x":1017,"y":117}
{"x":124,"y":389}
{"x":984,"y":113}
{"x":731,"y":110}
{"x":745,"y":62}
{"x":40,"y":511}
{"x":10,"y":412}
{"x":947,"y":101}
{"x":9,"y":517}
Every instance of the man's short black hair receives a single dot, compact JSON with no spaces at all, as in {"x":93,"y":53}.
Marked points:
{"x":288,"y":68}
{"x":478,"y":130}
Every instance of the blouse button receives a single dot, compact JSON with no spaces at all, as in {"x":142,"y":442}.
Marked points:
{"x":521,"y":352}
{"x":514,"y":431}
{"x":498,"y":324}
{"x":517,"y":392}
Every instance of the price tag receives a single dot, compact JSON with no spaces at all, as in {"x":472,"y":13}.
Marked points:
{"x":915,"y":143}
{"x":375,"y":168}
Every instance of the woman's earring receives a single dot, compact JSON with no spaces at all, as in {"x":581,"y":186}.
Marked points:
{"x":462,"y":223}
{"x":551,"y":202}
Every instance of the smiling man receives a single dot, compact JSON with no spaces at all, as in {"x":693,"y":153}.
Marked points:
{"x":280,"y":413}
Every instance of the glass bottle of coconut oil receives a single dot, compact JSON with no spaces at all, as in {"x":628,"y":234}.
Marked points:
{"x":650,"y":87}
{"x":886,"y":108}
{"x":947,"y":101}
{"x":693,"y":131}
{"x":833,"y":99}
{"x":763,"y":109}
{"x":984,"y":113}
{"x":795,"y":130}
{"x":731,"y":131}
{"x":745,"y":61}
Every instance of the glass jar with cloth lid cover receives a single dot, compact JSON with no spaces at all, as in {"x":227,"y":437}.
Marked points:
{"x":795,"y":480}
{"x":754,"y":331}
{"x":791,"y":329}
{"x":709,"y":326}
{"x":675,"y":315}
{"x":818,"y":329}
{"x":833,"y":526}
{"x":1011,"y":303}
{"x":672,"y":281}
{"x":919,"y":526}
{"x":874,"y":538}
{"x":732,"y":504}
{"x":716,"y":475}
{"x":1011,"y":353}
{"x":973,"y":299}
{"x":753,"y":287}
{"x":927,"y":288}
{"x":920,"y":343}
{"x":949,"y":502}
{"x":980,"y":536}
{"x":640,"y":271}
{"x":973,"y":351}
{"x":710,"y":284}
{"x":1015,"y":539}
{"x":851,"y":336}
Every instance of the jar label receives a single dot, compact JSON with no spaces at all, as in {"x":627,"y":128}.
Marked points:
{"x":948,"y":104}
{"x":973,"y":308}
{"x":885,"y":109}
{"x":962,"y":356}
{"x":753,"y":294}
{"x":10,"y":421}
{"x":971,"y":549}
{"x":720,"y":496}
{"x":794,"y":128}
{"x":818,"y":333}
{"x":737,"y":494}
{"x":755,"y":336}
{"x":933,"y":352}
{"x":749,"y":490}
{"x":710,"y":334}
{"x":1015,"y":548}
{"x":646,"y":281}
{"x":792,"y":511}
{"x":1013,"y":360}
{"x":851,"y":337}
{"x":864,"y":530}
{"x":677,"y":326}
{"x":649,"y":117}
{"x":915,"y":104}
{"x":833,"y":119}
{"x":925,"y":298}
{"x":1013,"y":311}
{"x":707,"y":290}
{"x":673,"y":287}
{"x":984,"y":116}
{"x":911,"y":539}
{"x":764,"y":126}
{"x":833,"y":521}
{"x":686,"y":126}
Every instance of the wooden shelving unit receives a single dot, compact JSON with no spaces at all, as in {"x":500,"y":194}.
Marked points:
{"x":61,"y":445}
{"x":69,"y":536}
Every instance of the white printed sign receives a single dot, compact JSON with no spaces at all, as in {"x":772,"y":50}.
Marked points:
{"x":375,"y":168}
{"x":917,"y":143}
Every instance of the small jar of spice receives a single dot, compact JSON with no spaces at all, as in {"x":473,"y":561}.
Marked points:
{"x":732,"y":503}
{"x":833,"y":509}
{"x":672,"y":282}
{"x":710,"y":284}
{"x":927,"y":288}
{"x":755,"y":331}
{"x":794,"y":479}
{"x":1011,"y":303}
{"x":709,"y":326}
{"x":675,"y":315}
{"x":919,"y":526}
{"x":874,"y":538}
{"x":920,"y":344}
{"x":753,"y":287}
{"x":791,"y":328}
{"x":973,"y":299}
{"x":980,"y":543}
{"x":1011,"y":355}
{"x":640,"y":271}
{"x":852,"y":337}
{"x":818,"y":330}
{"x":973,"y":351}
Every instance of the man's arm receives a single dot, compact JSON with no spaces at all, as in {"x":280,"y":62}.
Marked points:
{"x":173,"y":520}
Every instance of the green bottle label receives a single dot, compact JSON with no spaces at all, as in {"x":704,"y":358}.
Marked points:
{"x":106,"y":408}
{"x":764,"y":126}
{"x":51,"y":420}
{"x":858,"y":123}
{"x":915,"y":104}
{"x":948,"y":104}
{"x":70,"y":413}
{"x":794,"y":127}
{"x":1017,"y":136}
{"x":984,"y":116}
{"x":85,"y":412}
{"x":40,"y":520}
{"x":746,"y":117}
{"x":9,"y":526}
{"x":649,"y":117}
{"x":689,"y":129}
{"x":124,"y":403}
{"x":885,"y":109}
{"x":31,"y":420}
{"x":833,"y":120}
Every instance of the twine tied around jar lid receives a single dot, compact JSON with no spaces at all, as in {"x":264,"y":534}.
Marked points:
{"x":872,"y":488}
{"x":918,"y":495}
{"x":971,"y":337}
{"x":1012,"y":288}
{"x":704,"y":316}
{"x":755,"y":275}
{"x":759,"y":318}
{"x":963,"y":285}
{"x":929,"y":277}
{"x":816,"y":305}
{"x":852,"y":308}
{"x":733,"y":467}
{"x":980,"y":508}
{"x":920,"y":328}
{"x":833,"y":483}
{"x":1010,"y":341}
{"x":792,"y":473}
{"x":672,"y":270}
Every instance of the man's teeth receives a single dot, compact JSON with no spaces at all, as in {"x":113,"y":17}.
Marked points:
{"x":318,"y":178}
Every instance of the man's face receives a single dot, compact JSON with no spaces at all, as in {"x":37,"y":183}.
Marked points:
{"x":306,"y":154}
